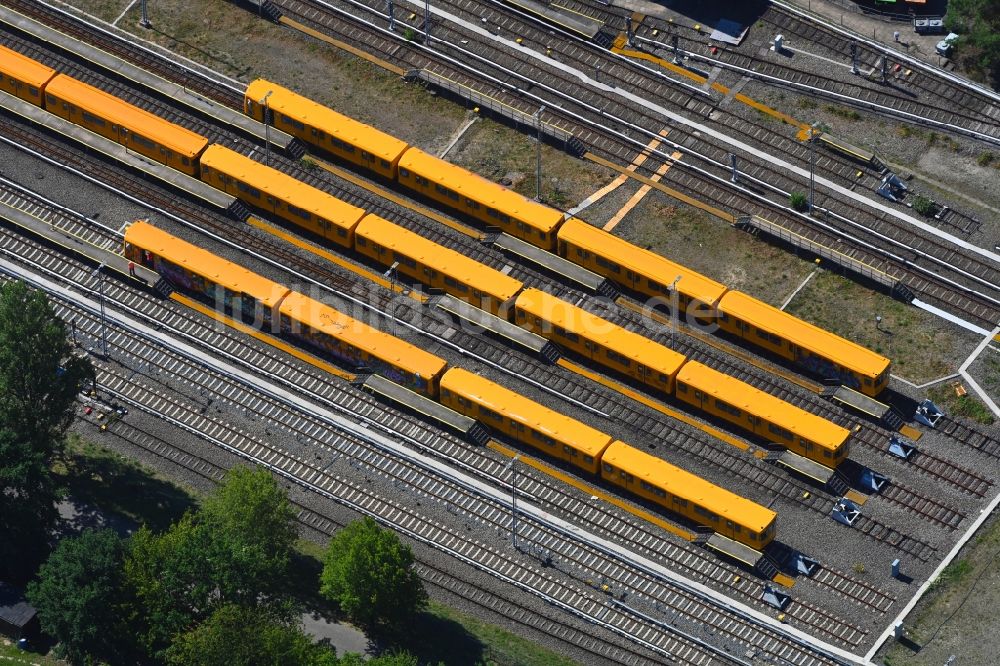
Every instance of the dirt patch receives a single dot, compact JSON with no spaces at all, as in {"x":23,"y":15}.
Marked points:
{"x":922,"y":347}
{"x":703,"y":243}
{"x":496,"y":151}
{"x":958,"y":615}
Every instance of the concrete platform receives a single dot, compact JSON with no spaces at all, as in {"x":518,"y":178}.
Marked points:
{"x":393,"y":392}
{"x":556,"y":265}
{"x":99,"y":144}
{"x":499,"y":327}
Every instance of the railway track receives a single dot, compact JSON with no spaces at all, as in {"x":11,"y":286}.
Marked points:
{"x":936,"y":276}
{"x":310,"y":518}
{"x":139,"y":354}
{"x":192,"y":381}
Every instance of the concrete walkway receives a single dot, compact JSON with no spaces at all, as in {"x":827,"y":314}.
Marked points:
{"x":344,"y":637}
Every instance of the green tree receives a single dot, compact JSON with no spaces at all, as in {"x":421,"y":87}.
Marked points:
{"x":237,"y":636}
{"x":369,"y":572}
{"x":78,"y":597}
{"x":254,"y":521}
{"x":39,"y":380}
{"x":235,"y":550}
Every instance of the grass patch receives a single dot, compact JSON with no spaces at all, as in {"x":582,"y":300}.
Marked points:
{"x":9,"y":654}
{"x":921,"y":346}
{"x":115,"y":484}
{"x":467,"y":640}
{"x":985,"y":159}
{"x":842,"y":112}
{"x":966,"y":405}
{"x":953,"y":573}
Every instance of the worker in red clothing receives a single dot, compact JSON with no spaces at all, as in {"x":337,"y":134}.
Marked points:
{"x":131,"y":268}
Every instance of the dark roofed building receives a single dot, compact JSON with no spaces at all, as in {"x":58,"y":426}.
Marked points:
{"x":17,"y":616}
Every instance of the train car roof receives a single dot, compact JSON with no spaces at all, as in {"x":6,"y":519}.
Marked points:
{"x":637,"y":347}
{"x":202,"y":262}
{"x":445,"y":260}
{"x":801,"y":333}
{"x":692,"y":487}
{"x":477,"y":188}
{"x":281,"y":185}
{"x":105,"y":105}
{"x":336,"y":324}
{"x":511,"y":405}
{"x":345,"y":128}
{"x":760,"y":403}
{"x":643,"y":262}
{"x":24,"y":68}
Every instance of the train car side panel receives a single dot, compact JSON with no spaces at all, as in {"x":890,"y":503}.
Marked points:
{"x":23,"y":77}
{"x":639,"y":270}
{"x":322,"y":127}
{"x":818,"y":351}
{"x":115,"y":119}
{"x":434,"y":265}
{"x":523,"y":419}
{"x":488,"y":202}
{"x":280,"y":194}
{"x":619,"y":350}
{"x":359,"y":345}
{"x":227,"y":286}
{"x":688,"y":495}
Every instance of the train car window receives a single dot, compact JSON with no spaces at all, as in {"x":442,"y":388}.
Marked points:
{"x":542,"y":437}
{"x":367,"y":157}
{"x":868,"y":381}
{"x":363,"y":242}
{"x":730,"y":524}
{"x":504,"y":218}
{"x":618,"y":358}
{"x":608,"y":468}
{"x":340,"y":231}
{"x":582,"y":253}
{"x":385,"y":164}
{"x":702,"y":511}
{"x":826,"y":453}
{"x":568,"y":450}
{"x":752,"y":536}
{"x":680,"y":502}
{"x":778,"y":430}
{"x":49,"y":99}
{"x":566,"y":334}
{"x":723,"y":316}
{"x":421,"y":181}
{"x":474,"y":205}
{"x":138,"y":138}
{"x":611,"y":266}
{"x":404,"y":173}
{"x":516,"y":425}
{"x":430,"y":273}
{"x":491,"y":414}
{"x":305,"y":215}
{"x":185,"y":161}
{"x":726,"y":407}
{"x":588,"y":459}
{"x":492,"y":212}
{"x":93,"y":120}
{"x":252,"y":191}
{"x":450,"y":281}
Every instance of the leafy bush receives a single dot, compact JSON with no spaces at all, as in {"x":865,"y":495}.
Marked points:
{"x":799,"y":201}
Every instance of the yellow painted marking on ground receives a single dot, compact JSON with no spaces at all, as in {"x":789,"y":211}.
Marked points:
{"x":395,"y":198}
{"x":649,"y":402}
{"x":295,"y":25}
{"x":263,"y":337}
{"x":856,"y":497}
{"x":334,"y":259}
{"x":718,"y":212}
{"x":782,"y":579}
{"x":718,"y":87}
{"x":723,"y":346}
{"x":910,"y":432}
{"x":620,"y":179}
{"x":997,"y":337}
{"x":642,"y":192}
{"x":760,"y":454}
{"x":592,"y":490}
